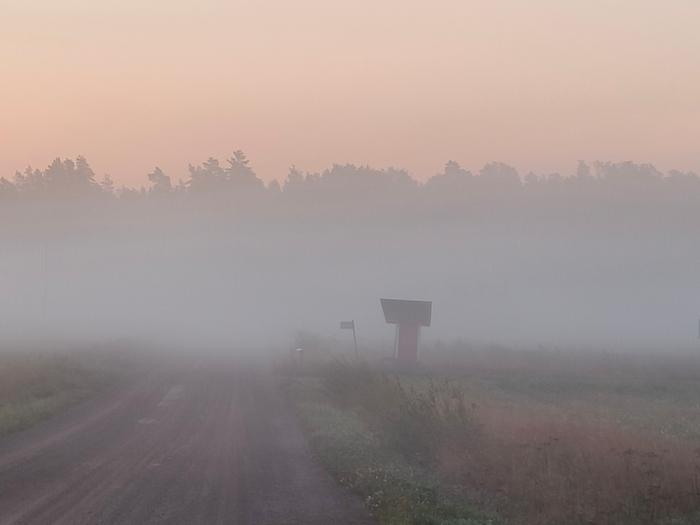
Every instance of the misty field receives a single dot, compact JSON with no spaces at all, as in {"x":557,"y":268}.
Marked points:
{"x":37,"y":384}
{"x":489,"y":435}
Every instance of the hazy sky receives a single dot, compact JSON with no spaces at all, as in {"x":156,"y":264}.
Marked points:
{"x":536,"y":83}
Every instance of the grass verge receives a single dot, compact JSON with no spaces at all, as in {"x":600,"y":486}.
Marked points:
{"x":35,"y":386}
{"x":397,"y":490}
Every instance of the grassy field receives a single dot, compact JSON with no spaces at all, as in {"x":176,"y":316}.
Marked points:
{"x":493,"y":436}
{"x":37,"y":385}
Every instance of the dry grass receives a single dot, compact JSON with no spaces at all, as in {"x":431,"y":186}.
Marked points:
{"x":540,"y":469}
{"x":544,"y":438}
{"x":578,"y":438}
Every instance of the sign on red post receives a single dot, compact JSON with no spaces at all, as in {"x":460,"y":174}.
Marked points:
{"x":409,"y":316}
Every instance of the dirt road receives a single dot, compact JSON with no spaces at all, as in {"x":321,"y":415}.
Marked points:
{"x":200,"y":442}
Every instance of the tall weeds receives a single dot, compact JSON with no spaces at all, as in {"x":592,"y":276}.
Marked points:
{"x":418,"y":423}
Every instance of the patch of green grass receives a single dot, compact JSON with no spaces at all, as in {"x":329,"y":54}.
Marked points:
{"x":19,"y":415}
{"x":36,"y":386}
{"x":396,"y":491}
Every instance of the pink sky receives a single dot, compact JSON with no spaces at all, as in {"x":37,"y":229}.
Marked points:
{"x":538,"y":84}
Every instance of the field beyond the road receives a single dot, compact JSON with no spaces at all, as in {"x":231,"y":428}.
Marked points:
{"x":522,"y":437}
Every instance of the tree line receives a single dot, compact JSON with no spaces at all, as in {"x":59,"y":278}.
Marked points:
{"x":68,"y":177}
{"x":605,"y":195}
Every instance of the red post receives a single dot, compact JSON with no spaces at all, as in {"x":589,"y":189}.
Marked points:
{"x":408,"y":343}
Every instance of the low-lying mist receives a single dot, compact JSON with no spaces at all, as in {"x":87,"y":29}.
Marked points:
{"x":607,"y":257}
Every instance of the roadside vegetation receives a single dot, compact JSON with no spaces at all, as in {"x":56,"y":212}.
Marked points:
{"x":380,"y":440}
{"x":534,"y":438}
{"x":37,"y":385}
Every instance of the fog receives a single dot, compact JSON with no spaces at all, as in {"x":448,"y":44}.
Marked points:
{"x":604,"y":257}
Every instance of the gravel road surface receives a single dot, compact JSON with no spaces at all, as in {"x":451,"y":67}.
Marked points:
{"x":202,"y":441}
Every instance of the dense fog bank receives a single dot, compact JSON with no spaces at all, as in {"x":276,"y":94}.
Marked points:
{"x":605,"y":257}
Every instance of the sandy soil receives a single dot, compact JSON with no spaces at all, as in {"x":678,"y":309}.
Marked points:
{"x":201,"y":441}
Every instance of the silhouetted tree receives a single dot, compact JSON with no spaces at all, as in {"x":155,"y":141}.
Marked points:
{"x":499,"y":174}
{"x":295,"y":179}
{"x":7,"y":189}
{"x":274,"y":187}
{"x":583,"y":169}
{"x":240,"y":174}
{"x":207,"y":177}
{"x":452,"y":178}
{"x":160,"y":182}
{"x":107,"y":185}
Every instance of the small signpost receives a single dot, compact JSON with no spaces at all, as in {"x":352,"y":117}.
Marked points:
{"x":350,"y":325}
